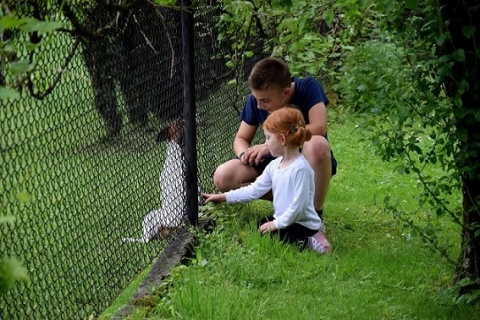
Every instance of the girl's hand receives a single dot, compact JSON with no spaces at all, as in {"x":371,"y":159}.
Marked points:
{"x":255,"y":154}
{"x":214,"y":197}
{"x":267,"y":227}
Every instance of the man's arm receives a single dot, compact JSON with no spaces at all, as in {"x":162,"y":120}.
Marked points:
{"x":242,"y":145}
{"x":318,"y":119}
{"x":243,"y":138}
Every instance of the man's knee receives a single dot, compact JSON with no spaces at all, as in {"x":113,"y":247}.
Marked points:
{"x":317,"y":150}
{"x":219,"y":179}
{"x":224,"y":177}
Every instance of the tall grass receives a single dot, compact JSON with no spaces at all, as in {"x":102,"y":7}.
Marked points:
{"x":378,"y":269}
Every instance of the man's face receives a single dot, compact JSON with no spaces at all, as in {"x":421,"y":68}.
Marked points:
{"x":271,"y":99}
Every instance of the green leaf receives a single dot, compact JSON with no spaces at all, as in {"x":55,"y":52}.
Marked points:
{"x":7,"y":219}
{"x":32,"y":46}
{"x":8,"y":93}
{"x":477,"y":233}
{"x":166,"y":2}
{"x":18,"y":271}
{"x":9,"y":47}
{"x":21,"y":66}
{"x":411,"y":4}
{"x":441,"y":38}
{"x":328,"y":17}
{"x":459,"y":55}
{"x":9,"y":22}
{"x":10,"y":271}
{"x":401,"y":169}
{"x":24,"y":197}
{"x":199,"y":255}
{"x":286,"y":38}
{"x":468,"y":31}
{"x":42,"y":27}
{"x":49,"y":26}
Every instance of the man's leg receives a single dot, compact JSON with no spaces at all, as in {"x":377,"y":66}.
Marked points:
{"x":233,"y":174}
{"x":317,"y":153}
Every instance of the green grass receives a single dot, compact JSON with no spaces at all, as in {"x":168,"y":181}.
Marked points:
{"x":378,"y":269}
{"x":124,"y":297}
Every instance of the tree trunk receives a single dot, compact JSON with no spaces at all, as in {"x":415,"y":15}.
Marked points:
{"x":460,"y":18}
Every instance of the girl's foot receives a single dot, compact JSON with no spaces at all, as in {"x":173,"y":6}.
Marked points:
{"x":319,"y":243}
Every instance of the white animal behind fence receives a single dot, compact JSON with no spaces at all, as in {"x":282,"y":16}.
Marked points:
{"x":171,"y":215}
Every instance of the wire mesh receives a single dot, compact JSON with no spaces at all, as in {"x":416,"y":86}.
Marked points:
{"x":96,"y":140}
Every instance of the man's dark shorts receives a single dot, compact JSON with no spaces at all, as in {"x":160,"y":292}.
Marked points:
{"x":268,"y":158}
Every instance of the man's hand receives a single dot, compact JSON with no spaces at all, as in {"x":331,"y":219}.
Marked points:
{"x":254,"y":154}
{"x":267,"y":227}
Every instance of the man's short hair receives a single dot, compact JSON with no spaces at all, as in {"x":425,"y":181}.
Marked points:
{"x":270,"y":73}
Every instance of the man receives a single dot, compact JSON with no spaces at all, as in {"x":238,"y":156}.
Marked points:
{"x":272,"y":87}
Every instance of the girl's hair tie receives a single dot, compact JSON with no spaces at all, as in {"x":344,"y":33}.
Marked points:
{"x":294,"y":127}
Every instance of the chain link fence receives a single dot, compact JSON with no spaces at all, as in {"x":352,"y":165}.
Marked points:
{"x":95,"y":146}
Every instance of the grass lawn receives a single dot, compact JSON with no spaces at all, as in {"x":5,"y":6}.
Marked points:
{"x":378,"y":269}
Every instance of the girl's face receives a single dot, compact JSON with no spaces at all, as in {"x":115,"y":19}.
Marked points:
{"x":273,"y":143}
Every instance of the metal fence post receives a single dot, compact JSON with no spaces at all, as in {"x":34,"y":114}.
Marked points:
{"x":189,"y":112}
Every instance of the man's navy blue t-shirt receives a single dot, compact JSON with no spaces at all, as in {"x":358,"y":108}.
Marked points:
{"x":308,"y":92}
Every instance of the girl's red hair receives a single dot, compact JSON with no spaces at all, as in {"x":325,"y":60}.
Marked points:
{"x":290,"y":122}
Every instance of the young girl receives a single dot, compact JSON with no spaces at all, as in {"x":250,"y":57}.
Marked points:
{"x":290,"y":178}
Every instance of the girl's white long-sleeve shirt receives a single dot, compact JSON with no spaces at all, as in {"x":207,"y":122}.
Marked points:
{"x":293,"y":188}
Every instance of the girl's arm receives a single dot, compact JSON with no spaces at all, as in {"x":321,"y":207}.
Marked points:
{"x":213,"y":197}
{"x":261,"y":186}
{"x":257,"y":189}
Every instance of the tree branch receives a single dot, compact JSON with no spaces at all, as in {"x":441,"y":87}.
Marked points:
{"x":82,"y":29}
{"x":57,"y":78}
